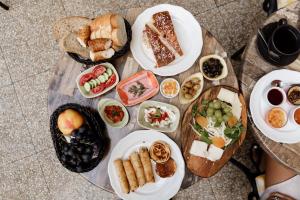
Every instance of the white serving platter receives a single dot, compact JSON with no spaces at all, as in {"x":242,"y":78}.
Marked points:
{"x":141,"y":113}
{"x":89,"y":70}
{"x":189,"y":35}
{"x":163,"y":188}
{"x":259,"y":107}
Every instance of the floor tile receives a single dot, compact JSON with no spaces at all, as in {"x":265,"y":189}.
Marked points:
{"x":4,"y":74}
{"x":23,"y":180}
{"x":64,"y":184}
{"x":223,"y":2}
{"x":16,"y":142}
{"x":200,"y":190}
{"x":27,"y":37}
{"x":32,"y":93}
{"x":230,"y":183}
{"x":213,"y":22}
{"x":239,"y":18}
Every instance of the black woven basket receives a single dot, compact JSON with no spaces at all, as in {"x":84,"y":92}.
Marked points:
{"x":96,"y":125}
{"x":117,"y":54}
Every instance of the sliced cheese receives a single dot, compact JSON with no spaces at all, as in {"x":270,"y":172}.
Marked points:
{"x":199,"y":149}
{"x":214,"y":153}
{"x":226,"y":95}
{"x":236,"y":107}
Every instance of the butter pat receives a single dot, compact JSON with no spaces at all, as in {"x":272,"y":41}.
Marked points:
{"x":214,"y":153}
{"x":199,"y":149}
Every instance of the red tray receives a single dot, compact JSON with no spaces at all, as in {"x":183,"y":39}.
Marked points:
{"x":147,"y":78}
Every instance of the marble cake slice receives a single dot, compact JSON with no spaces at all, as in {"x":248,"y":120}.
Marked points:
{"x":163,"y":23}
{"x":163,"y":55}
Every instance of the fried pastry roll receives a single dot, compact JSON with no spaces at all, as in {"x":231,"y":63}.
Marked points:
{"x":130,"y":175}
{"x":146,"y":162}
{"x":138,"y":168}
{"x":122,"y":175}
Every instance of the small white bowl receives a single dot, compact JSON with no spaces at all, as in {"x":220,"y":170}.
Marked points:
{"x":292,"y":118}
{"x":177,"y":87}
{"x":280,"y":90}
{"x":223,"y":62}
{"x":285,"y":116}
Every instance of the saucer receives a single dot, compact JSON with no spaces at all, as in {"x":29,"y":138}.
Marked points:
{"x":263,"y":50}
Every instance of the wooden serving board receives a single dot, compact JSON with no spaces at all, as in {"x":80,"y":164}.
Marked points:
{"x":198,"y":165}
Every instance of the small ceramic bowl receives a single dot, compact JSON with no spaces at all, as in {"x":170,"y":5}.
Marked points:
{"x":281,"y":91}
{"x":292,"y":115}
{"x":163,"y":92}
{"x":274,"y":109}
{"x":109,"y":102}
{"x":223,"y":62}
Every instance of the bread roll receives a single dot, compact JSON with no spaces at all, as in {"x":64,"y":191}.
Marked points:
{"x":122,"y":175}
{"x":116,"y":21}
{"x":83,"y":35}
{"x":102,"y":25}
{"x":102,"y":55}
{"x":146,"y":162}
{"x":99,"y":44}
{"x":130,"y":174}
{"x":138,"y":168}
{"x":69,"y":43}
{"x":119,"y":35}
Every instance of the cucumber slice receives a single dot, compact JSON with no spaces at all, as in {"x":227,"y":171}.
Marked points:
{"x":87,"y":87}
{"x":98,"y":81}
{"x":94,"y":82}
{"x":102,"y":78}
{"x":106,"y":76}
{"x":91,"y":84}
{"x":109,"y":71}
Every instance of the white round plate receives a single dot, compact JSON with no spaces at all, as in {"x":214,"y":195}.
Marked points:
{"x":108,"y":102}
{"x":259,"y":107}
{"x":189,"y":35}
{"x":163,"y":188}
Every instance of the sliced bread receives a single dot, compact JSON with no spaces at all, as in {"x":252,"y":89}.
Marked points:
{"x":69,"y":43}
{"x":69,"y":24}
{"x":83,"y":35}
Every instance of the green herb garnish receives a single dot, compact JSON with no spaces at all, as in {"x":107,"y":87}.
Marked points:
{"x":234,"y":132}
{"x":202,"y":133}
{"x":137,"y":90}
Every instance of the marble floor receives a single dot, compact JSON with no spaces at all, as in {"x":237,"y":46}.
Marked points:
{"x":28,"y":166}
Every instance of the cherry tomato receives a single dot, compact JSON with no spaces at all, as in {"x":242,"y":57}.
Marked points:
{"x":98,"y":89}
{"x":85,"y":78}
{"x":111,"y":81}
{"x":99,"y":70}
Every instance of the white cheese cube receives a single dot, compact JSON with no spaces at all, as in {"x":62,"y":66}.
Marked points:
{"x":226,"y":95}
{"x":214,"y":153}
{"x":199,"y":148}
{"x":236,"y":107}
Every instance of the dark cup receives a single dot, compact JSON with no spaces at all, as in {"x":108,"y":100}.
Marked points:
{"x":284,"y":44}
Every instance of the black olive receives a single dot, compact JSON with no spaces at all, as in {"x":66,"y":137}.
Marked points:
{"x":83,"y":129}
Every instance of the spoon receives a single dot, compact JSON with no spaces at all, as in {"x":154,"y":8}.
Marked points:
{"x":266,"y":44}
{"x":281,"y":84}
